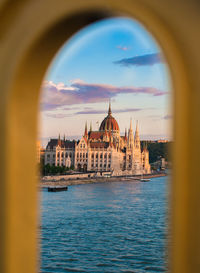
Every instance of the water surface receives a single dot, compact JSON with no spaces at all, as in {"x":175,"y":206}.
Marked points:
{"x":105,"y":227}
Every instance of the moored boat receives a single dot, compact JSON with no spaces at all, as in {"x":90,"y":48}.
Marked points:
{"x":57,"y":188}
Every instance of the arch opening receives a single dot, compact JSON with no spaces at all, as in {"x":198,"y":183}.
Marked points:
{"x":67,"y":101}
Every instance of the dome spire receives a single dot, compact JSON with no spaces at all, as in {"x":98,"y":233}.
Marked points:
{"x":109,"y":109}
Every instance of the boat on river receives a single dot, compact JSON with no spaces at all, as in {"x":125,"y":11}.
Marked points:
{"x":57,"y":188}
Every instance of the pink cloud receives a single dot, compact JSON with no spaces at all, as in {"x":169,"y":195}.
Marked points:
{"x":80,"y":92}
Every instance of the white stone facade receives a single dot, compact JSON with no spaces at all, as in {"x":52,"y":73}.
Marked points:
{"x":100,"y":151}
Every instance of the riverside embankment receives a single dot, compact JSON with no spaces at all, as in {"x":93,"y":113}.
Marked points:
{"x":65,"y":181}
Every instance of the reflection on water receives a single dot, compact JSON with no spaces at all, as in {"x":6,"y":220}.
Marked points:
{"x":105,"y":227}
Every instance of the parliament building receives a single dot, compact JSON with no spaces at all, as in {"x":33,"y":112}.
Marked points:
{"x":104,"y":150}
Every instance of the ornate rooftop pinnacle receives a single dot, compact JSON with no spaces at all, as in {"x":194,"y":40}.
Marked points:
{"x":109,"y":109}
{"x":131,"y":125}
{"x":86,"y":133}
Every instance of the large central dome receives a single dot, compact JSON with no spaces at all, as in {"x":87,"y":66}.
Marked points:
{"x":109,"y":122}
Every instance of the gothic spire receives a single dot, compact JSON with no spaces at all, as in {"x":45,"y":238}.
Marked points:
{"x":86,"y":133}
{"x":125,"y":134}
{"x":137,"y":137}
{"x":90,"y":126}
{"x":130,"y":136}
{"x":131,"y":129}
{"x":109,"y":109}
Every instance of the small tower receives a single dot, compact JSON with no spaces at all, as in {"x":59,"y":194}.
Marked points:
{"x":90,"y":126}
{"x":125,"y":137}
{"x":137,"y":137}
{"x":86,"y":132}
{"x":130,"y":136}
{"x":59,"y":140}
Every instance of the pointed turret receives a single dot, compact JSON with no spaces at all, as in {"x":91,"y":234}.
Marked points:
{"x":90,"y":126}
{"x":86,"y":132}
{"x":130,"y":136}
{"x":64,"y":137}
{"x":125,"y":137}
{"x":137,"y":137}
{"x":59,"y":140}
{"x":145,"y":146}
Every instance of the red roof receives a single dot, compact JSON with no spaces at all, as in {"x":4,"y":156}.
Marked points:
{"x":99,"y":144}
{"x":109,"y":123}
{"x":95,"y":135}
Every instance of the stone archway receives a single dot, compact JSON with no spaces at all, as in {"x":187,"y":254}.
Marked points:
{"x":27,"y":47}
{"x":85,"y":168}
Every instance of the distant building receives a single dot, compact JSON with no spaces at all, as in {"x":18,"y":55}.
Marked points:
{"x":102,"y":150}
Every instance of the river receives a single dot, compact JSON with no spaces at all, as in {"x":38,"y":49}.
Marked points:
{"x":105,"y":227}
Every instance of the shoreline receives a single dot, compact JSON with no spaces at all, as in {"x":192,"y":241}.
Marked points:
{"x":93,"y":180}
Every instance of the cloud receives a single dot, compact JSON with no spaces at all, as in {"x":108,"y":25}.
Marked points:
{"x":93,"y":111}
{"x":148,"y":59}
{"x":56,"y":96}
{"x":58,"y":115}
{"x":124,"y":48}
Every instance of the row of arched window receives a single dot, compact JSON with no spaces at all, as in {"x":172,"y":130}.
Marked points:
{"x":84,"y":155}
{"x":101,"y":155}
{"x":62,"y":154}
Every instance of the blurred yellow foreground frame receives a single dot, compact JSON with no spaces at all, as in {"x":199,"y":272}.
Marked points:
{"x":31,"y":32}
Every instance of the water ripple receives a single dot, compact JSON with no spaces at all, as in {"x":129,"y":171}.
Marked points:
{"x":105,"y":227}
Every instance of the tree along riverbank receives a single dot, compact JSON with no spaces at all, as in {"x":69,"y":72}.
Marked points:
{"x":90,"y":180}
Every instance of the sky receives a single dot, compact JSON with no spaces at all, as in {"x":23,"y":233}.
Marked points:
{"x":114,"y":59}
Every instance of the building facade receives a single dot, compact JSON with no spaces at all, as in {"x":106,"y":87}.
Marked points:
{"x":103,"y":150}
